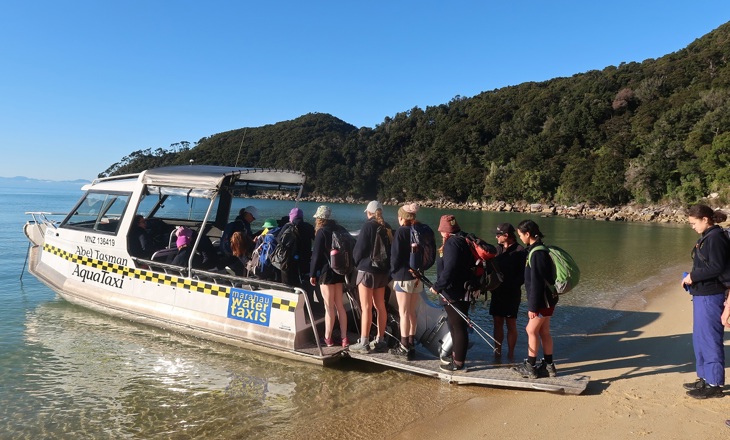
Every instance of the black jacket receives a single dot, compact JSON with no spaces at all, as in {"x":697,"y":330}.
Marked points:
{"x":364,"y":246}
{"x":511,"y":261}
{"x":400,"y":255}
{"x":710,"y":257}
{"x":539,"y":274}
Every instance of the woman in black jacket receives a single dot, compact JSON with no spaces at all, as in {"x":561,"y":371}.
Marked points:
{"x":710,"y":257}
{"x":330,"y":282}
{"x":541,"y":301}
{"x":372,"y":277}
{"x":453,"y":270}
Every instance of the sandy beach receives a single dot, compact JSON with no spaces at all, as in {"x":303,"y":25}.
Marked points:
{"x":637,"y":366}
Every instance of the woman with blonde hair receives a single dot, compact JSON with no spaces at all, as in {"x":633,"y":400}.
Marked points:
{"x":330,"y":282}
{"x":372,"y":277}
{"x":407,"y":287}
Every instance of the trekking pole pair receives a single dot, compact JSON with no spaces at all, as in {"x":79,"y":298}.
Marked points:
{"x":473,"y":325}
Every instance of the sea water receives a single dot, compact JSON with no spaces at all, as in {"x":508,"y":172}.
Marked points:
{"x":67,"y":372}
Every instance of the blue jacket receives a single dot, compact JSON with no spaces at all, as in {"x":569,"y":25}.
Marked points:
{"x":454,"y":268}
{"x":710,"y":257}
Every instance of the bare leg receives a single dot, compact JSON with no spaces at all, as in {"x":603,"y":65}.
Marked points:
{"x":379,"y":300}
{"x":366,"y":304}
{"x":511,"y":337}
{"x":328,"y":293}
{"x":340,"y":307}
{"x":498,"y":333}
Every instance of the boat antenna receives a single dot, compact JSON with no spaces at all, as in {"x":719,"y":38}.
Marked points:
{"x":240,"y":146}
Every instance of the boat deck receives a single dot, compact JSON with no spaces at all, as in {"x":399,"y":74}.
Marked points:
{"x":478,"y":372}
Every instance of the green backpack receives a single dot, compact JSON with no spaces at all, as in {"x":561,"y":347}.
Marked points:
{"x":567,"y":273}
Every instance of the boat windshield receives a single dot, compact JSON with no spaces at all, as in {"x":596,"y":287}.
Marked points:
{"x":98,"y":211}
{"x":170,"y":205}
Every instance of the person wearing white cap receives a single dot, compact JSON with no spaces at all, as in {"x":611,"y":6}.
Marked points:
{"x":373,"y":274}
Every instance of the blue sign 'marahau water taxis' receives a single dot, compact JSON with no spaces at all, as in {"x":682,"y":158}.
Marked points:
{"x":83,"y":256}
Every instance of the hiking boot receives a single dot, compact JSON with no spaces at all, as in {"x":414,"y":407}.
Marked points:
{"x":546,"y":370}
{"x":345,"y":342}
{"x":378,"y":346}
{"x":399,"y":350}
{"x":451,"y":367}
{"x":526,"y":370}
{"x":362,"y":346}
{"x":696,"y":385}
{"x":445,"y":359}
{"x":411,"y":353}
{"x":329,"y":342}
{"x":707,"y":392}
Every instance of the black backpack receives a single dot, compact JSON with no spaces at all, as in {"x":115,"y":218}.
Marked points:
{"x":341,"y":259}
{"x":380,"y":253}
{"x":423,"y":247}
{"x":287,"y":249}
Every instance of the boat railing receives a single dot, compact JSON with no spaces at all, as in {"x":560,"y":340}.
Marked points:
{"x":42,"y":218}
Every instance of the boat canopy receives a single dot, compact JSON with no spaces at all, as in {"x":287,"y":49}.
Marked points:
{"x":212,"y":177}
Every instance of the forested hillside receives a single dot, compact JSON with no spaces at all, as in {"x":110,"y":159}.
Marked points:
{"x":646,"y":132}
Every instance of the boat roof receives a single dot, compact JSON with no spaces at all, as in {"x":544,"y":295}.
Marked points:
{"x":213,"y":176}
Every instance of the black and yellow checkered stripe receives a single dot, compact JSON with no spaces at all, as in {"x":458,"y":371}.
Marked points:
{"x":144,"y":275}
{"x":284,"y":304}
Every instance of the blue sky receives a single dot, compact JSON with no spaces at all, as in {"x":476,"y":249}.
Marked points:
{"x":84,"y":83}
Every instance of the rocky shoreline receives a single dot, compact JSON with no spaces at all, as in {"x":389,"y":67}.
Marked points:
{"x":626,"y":213}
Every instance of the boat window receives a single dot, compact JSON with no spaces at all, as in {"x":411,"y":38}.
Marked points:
{"x":98,"y":211}
{"x":177,"y":207}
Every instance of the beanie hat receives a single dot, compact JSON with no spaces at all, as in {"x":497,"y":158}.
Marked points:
{"x":295,"y":213}
{"x":448,"y":224}
{"x":183,"y":236}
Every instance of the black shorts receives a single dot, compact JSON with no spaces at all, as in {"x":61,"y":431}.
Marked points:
{"x":505,"y":304}
{"x":328,"y":276}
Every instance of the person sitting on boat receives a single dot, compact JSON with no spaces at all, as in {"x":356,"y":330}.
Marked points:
{"x":184,"y":245}
{"x":453,"y":273}
{"x":242,"y":224}
{"x":139,"y":243}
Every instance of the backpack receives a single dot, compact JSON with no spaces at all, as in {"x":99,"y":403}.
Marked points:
{"x":287,"y":249}
{"x":486,"y":274}
{"x":423,"y":247}
{"x":264,"y":247}
{"x":380,"y":253}
{"x":341,"y":259}
{"x":567,"y":273}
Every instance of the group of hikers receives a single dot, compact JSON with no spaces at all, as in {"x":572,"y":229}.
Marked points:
{"x":294,"y":252}
{"x":382,"y":254}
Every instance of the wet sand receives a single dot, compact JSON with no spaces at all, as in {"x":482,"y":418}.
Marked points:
{"x":637,"y":366}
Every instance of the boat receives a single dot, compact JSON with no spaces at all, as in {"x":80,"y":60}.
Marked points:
{"x":82,"y":255}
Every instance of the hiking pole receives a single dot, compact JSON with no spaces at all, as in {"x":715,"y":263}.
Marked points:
{"x":478,"y":330}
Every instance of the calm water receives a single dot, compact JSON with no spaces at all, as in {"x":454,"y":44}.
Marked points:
{"x":67,"y":372}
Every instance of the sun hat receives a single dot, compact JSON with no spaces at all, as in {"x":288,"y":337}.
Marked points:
{"x":270,"y":223}
{"x":373,"y":207}
{"x":410,"y":208}
{"x":323,"y":212}
{"x":295,"y":213}
{"x":448,"y":224}
{"x":504,"y":228}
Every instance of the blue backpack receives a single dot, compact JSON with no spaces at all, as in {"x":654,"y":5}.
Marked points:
{"x":263,"y":249}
